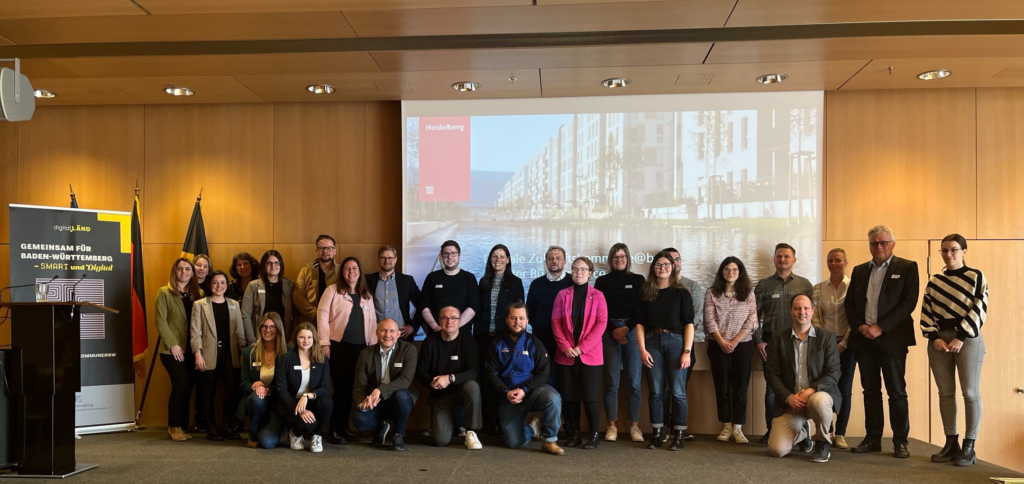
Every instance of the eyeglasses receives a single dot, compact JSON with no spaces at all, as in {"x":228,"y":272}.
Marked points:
{"x":273,"y":263}
{"x":268,"y":328}
{"x":949,"y":251}
{"x":677,"y":259}
{"x":449,"y":255}
{"x":446,"y":318}
{"x":580,"y":270}
{"x":663,"y":265}
{"x":881,"y":243}
{"x":325,"y":249}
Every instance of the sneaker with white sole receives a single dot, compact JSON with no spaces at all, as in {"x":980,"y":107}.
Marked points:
{"x":472,"y":442}
{"x":316,"y":444}
{"x":535,"y":423}
{"x":612,"y":434}
{"x":297,"y":443}
{"x":737,"y":435}
{"x":725,"y":434}
{"x":635,"y":434}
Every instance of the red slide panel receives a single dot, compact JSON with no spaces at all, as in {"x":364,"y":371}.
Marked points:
{"x":444,"y":159}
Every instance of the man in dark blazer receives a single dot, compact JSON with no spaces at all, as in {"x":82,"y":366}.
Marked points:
{"x":803,"y":370}
{"x":879,"y":306}
{"x":388,"y":286}
{"x":381,"y":391}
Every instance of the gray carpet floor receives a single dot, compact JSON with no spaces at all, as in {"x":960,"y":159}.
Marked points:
{"x":148,"y":456}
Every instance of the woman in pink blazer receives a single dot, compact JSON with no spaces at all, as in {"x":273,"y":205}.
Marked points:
{"x":578,"y":320}
{"x":346,"y":328}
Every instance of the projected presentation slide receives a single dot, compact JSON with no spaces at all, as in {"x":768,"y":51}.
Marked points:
{"x":712,"y":175}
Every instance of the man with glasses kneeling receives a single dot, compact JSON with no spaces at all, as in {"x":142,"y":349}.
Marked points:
{"x":517,"y":364}
{"x":447,"y":366}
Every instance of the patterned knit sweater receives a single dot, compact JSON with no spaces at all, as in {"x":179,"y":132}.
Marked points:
{"x":955,"y":299}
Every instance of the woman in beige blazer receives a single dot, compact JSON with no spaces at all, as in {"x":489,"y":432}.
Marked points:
{"x":217,"y":336}
{"x":173,"y":314}
{"x":270,"y":292}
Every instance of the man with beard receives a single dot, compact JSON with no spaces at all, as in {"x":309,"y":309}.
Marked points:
{"x":449,"y":286}
{"x":540,"y":299}
{"x":394,"y":293}
{"x":313,"y":280}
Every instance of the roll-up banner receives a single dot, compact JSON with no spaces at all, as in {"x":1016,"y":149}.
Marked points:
{"x":90,"y":248}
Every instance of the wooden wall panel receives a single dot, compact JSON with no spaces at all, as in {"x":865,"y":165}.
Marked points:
{"x":8,"y":176}
{"x":919,"y":393}
{"x":908,"y":149}
{"x":97,"y":149}
{"x":338,"y":171}
{"x":226,"y":150}
{"x":1001,"y":163}
{"x":1001,"y":436}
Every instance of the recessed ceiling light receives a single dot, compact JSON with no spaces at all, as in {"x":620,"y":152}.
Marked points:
{"x":772,"y":78}
{"x":320,"y":89}
{"x":933,"y":75}
{"x":465,"y":86}
{"x":43,"y":94}
{"x":178,"y":91}
{"x":616,"y":82}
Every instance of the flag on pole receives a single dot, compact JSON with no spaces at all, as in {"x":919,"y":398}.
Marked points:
{"x":140,"y":337}
{"x":74,"y":203}
{"x":195,"y":240}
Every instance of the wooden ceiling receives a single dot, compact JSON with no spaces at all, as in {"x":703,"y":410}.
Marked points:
{"x":127,"y":51}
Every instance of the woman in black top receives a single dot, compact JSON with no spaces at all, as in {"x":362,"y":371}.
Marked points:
{"x":173,"y":316}
{"x":302,"y":383}
{"x":664,"y":332}
{"x":216,"y":339}
{"x":499,"y":288}
{"x":243,"y":270}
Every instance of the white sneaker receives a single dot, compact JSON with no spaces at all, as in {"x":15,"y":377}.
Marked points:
{"x":726,"y":433}
{"x":472,"y":442}
{"x":737,"y":435}
{"x":635,"y":434}
{"x":317,"y":444}
{"x":535,"y":423}
{"x":612,"y":434}
{"x":297,"y":443}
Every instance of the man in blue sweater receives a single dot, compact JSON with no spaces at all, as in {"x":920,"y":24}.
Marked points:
{"x":517,"y":364}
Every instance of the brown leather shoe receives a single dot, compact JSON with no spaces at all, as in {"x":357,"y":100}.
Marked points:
{"x":177,"y":435}
{"x":552,"y":448}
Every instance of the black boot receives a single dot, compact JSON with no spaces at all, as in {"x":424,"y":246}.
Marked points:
{"x":966,"y":457}
{"x":950,"y":450}
{"x":678,"y":441}
{"x":593,"y":442}
{"x":230,"y":433}
{"x":573,"y":439}
{"x":212,"y":431}
{"x":657,"y":438}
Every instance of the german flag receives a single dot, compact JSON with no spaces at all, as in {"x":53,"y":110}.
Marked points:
{"x":195,"y":241}
{"x":140,"y":337}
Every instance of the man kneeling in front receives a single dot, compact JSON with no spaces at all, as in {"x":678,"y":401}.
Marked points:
{"x":382,"y":390}
{"x":803,"y":370}
{"x":517,"y":364}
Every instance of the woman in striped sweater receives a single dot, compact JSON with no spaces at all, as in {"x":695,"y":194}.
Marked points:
{"x":954,"y":308}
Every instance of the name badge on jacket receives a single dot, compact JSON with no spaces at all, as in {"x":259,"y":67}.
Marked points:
{"x":255,"y":363}
{"x":455,"y":357}
{"x":261,"y":291}
{"x":298,"y":367}
{"x":439,"y":286}
{"x":526,"y":352}
{"x":629,"y":286}
{"x":776,"y":296}
{"x":895,"y":276}
{"x":398,"y":365}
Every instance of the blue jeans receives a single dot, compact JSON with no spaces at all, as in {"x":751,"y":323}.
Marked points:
{"x":619,"y":357}
{"x":542,"y":399}
{"x":848,"y":362}
{"x":666,"y":350}
{"x":263,"y":421}
{"x":395,"y":408}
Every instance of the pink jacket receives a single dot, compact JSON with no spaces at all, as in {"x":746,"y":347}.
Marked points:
{"x":595,"y":319}
{"x":333,"y":312}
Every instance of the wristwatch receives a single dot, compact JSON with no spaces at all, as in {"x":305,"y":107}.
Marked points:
{"x":686,"y":351}
{"x":309,"y":396}
{"x":451,"y":378}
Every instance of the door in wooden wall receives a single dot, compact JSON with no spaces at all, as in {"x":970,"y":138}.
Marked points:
{"x":1001,"y":437}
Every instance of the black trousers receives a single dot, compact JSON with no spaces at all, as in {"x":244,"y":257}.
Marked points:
{"x":731,"y":374}
{"x":322,"y":408}
{"x":225,"y":374}
{"x":488,"y":394}
{"x":182,"y":376}
{"x":343,"y":361}
{"x":572,"y":415}
{"x":876,"y":364}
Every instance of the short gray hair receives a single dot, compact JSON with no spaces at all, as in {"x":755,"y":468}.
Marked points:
{"x":880,"y":229}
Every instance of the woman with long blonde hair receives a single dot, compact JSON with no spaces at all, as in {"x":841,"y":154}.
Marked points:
{"x":259,"y":365}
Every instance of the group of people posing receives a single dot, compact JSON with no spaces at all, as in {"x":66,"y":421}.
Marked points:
{"x":278,"y":347}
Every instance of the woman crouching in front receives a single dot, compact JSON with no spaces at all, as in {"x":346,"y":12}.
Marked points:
{"x":303,"y":381}
{"x":259,"y":365}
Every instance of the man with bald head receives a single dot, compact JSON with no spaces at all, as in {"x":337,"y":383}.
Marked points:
{"x":382,"y":392}
{"x":803,"y":370}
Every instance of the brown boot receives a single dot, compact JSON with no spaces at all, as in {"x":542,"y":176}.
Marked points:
{"x":177,"y":435}
{"x":552,"y":448}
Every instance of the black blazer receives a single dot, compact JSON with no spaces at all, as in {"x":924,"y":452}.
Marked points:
{"x":482,"y":320}
{"x":823,"y":369}
{"x":896,"y":303}
{"x":408,"y":297}
{"x":288,"y":377}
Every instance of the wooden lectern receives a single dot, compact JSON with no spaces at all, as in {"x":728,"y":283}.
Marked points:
{"x":47,"y":372}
